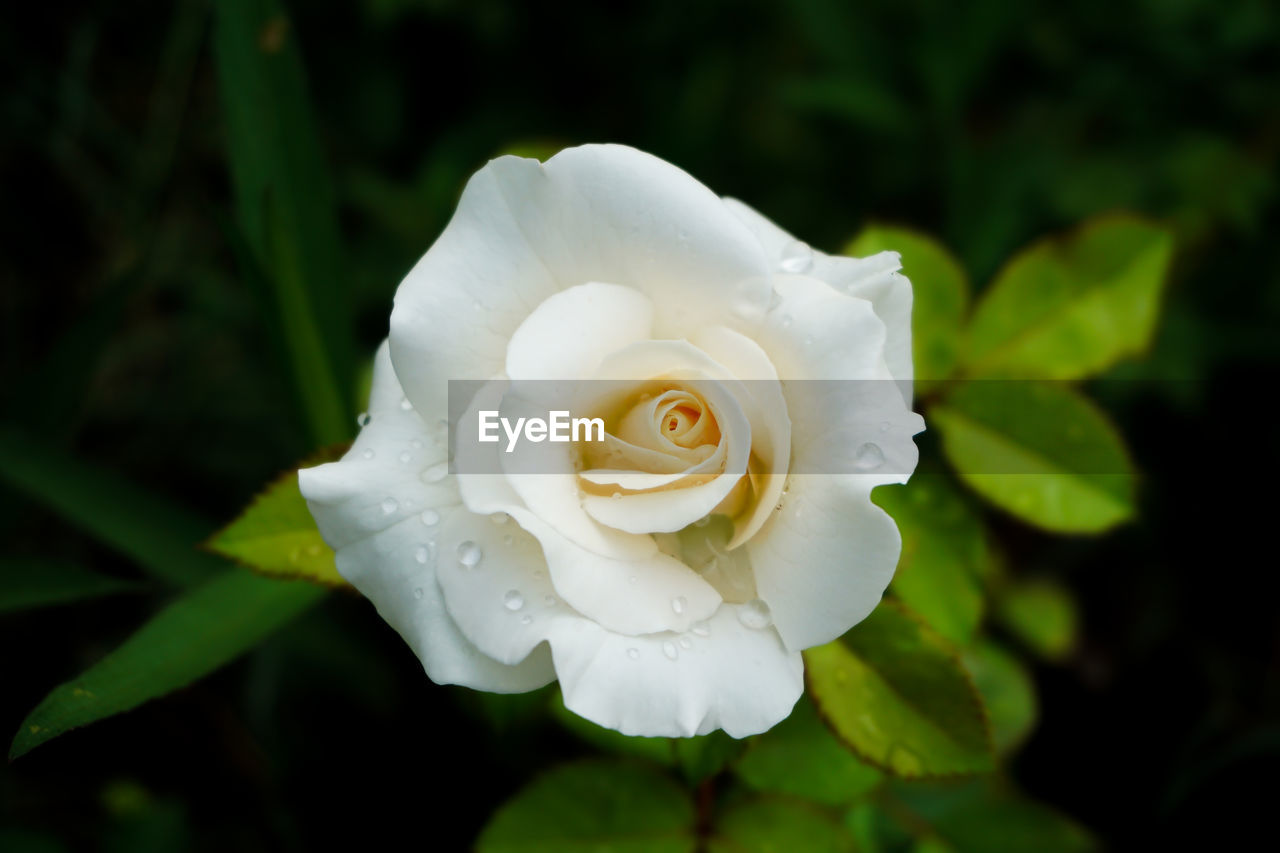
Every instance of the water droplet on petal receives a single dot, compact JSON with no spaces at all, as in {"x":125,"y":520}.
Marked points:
{"x":362,"y":419}
{"x":755,"y":615}
{"x":513,"y":600}
{"x":389,"y":505}
{"x":367,"y":453}
{"x":405,"y":405}
{"x":422,"y":554}
{"x":669,"y":649}
{"x":406,"y":458}
{"x":702,"y":629}
{"x":526,"y":620}
{"x":678,"y":604}
{"x":417,"y":593}
{"x":868,"y":456}
{"x":436,"y":473}
{"x":686,"y":643}
{"x":796,"y":257}
{"x":617,"y":496}
{"x":751,"y":298}
{"x":430,"y":517}
{"x":469,"y":554}
{"x":499,"y":518}
{"x":633,"y":653}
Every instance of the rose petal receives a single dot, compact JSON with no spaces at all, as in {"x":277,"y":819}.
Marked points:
{"x":627,"y":584}
{"x":370,"y":510}
{"x":669,"y":684}
{"x":525,"y":230}
{"x":571,"y":331}
{"x":875,"y":279}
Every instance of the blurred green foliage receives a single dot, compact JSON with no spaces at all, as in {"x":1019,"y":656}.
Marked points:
{"x":208,"y":207}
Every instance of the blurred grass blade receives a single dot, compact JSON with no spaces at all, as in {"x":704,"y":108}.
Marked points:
{"x":285,"y":205}
{"x":27,"y":584}
{"x":1039,"y":450}
{"x":593,"y":806}
{"x":156,"y":533}
{"x":190,"y":638}
{"x":277,"y":536}
{"x":895,"y":693}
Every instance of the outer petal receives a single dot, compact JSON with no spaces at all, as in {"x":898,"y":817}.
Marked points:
{"x":524,"y":230}
{"x":875,"y":279}
{"x":370,"y":510}
{"x":721,"y":674}
{"x":823,"y":560}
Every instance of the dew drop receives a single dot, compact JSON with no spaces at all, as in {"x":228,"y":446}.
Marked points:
{"x":405,"y":405}
{"x":499,"y":518}
{"x":469,"y":554}
{"x":436,"y":473}
{"x":868,"y":456}
{"x":389,"y":505}
{"x":368,"y":453}
{"x":797,"y":257}
{"x":362,"y":419}
{"x":430,"y":517}
{"x":513,"y":600}
{"x":617,"y":496}
{"x":678,"y":604}
{"x":669,"y":649}
{"x":417,"y":593}
{"x":702,"y":629}
{"x":755,"y":615}
{"x":406,"y":458}
{"x":633,"y":653}
{"x":751,"y":298}
{"x":422,"y":554}
{"x":686,"y":643}
{"x":526,"y":620}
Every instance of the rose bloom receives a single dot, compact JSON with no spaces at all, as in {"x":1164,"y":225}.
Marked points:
{"x":670,"y":575}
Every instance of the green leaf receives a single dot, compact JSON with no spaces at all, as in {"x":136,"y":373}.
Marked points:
{"x":802,"y":758}
{"x":774,"y":825}
{"x":594,"y":806}
{"x":285,"y":205}
{"x":277,"y":536}
{"x":1072,"y":306}
{"x":1042,"y":614}
{"x":941,"y":297}
{"x":201,"y":631}
{"x":1008,"y":691}
{"x":944,"y":554}
{"x":984,"y":817}
{"x":155,"y":532}
{"x":1040,"y":451}
{"x":893,"y":690}
{"x":25,"y":584}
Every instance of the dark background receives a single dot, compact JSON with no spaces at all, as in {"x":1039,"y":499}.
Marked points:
{"x":129,"y":339}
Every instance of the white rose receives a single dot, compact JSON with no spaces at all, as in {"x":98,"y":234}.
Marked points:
{"x":605,"y":262}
